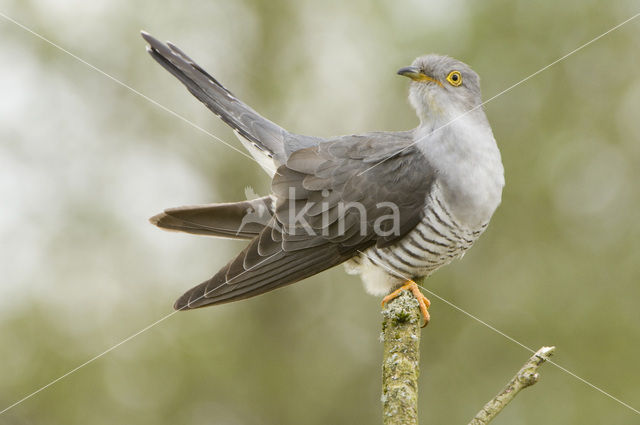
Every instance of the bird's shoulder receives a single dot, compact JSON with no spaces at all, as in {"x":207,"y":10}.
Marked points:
{"x":377,"y":173}
{"x":383,"y":158}
{"x":368,"y":147}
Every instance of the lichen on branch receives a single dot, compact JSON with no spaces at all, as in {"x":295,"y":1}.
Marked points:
{"x":401,"y":360}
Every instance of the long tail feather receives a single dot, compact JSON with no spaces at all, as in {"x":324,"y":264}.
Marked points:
{"x":237,"y":220}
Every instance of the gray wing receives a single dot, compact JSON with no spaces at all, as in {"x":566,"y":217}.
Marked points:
{"x":261,"y":136}
{"x":316,"y":184}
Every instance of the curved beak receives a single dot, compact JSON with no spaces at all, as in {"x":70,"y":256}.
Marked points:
{"x":409,"y":71}
{"x":416,"y":74}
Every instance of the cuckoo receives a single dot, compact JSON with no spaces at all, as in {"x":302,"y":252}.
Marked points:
{"x":392,"y":206}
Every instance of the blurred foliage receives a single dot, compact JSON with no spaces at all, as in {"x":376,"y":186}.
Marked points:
{"x":84,"y":162}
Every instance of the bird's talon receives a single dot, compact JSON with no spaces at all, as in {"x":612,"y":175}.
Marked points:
{"x":423,"y":301}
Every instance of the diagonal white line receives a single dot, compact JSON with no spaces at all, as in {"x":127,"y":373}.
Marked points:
{"x":129,"y":338}
{"x":128,"y":87}
{"x":91,"y":360}
{"x":560,"y":59}
{"x":237,"y":150}
{"x":499,"y":332}
{"x":584,"y":381}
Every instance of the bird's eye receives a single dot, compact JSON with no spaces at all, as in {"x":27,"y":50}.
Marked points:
{"x":454,"y":78}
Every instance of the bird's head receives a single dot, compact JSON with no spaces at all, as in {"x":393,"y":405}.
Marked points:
{"x":441,"y":87}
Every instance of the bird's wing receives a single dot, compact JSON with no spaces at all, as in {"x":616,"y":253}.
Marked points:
{"x":267,"y":142}
{"x":328,"y":203}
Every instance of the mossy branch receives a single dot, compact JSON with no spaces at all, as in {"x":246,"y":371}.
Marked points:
{"x":401,"y":360}
{"x":401,"y":367}
{"x":526,"y":376}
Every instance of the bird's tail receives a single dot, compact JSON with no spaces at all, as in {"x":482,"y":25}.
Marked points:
{"x":236,"y":220}
{"x":264,"y":139}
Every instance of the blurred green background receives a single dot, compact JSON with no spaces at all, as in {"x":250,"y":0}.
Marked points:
{"x":84,"y":162}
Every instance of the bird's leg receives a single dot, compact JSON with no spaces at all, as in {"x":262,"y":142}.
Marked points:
{"x":411,"y":286}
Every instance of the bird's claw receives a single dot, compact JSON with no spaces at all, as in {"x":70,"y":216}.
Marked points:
{"x":423,"y":301}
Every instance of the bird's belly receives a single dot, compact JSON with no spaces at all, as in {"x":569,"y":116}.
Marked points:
{"x":437,"y":240}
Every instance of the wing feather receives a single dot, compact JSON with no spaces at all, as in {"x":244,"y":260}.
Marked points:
{"x":282,"y":253}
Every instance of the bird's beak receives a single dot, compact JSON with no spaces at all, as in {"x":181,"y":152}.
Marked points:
{"x":416,"y":74}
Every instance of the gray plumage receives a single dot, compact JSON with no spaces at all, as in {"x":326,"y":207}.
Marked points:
{"x":221,"y":220}
{"x":444,"y":178}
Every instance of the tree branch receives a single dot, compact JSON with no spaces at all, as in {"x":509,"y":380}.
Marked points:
{"x":401,"y":360}
{"x":401,"y":367}
{"x":526,"y":376}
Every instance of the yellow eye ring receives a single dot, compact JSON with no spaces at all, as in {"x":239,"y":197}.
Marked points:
{"x":454,"y":78}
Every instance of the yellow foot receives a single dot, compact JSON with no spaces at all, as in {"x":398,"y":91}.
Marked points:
{"x":424,"y":302}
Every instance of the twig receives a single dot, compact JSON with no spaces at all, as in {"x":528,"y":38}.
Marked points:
{"x":401,"y":360}
{"x":526,"y":376}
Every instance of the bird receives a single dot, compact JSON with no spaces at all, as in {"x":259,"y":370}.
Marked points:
{"x":393,"y":207}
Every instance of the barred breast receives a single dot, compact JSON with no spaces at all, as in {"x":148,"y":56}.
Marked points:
{"x":437,"y":240}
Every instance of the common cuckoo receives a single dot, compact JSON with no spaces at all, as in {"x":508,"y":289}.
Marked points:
{"x":392,"y":206}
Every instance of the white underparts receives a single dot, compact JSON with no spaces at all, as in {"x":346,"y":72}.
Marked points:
{"x":263,"y":157}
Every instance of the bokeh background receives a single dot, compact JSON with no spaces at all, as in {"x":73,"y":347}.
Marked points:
{"x":84,"y":162}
